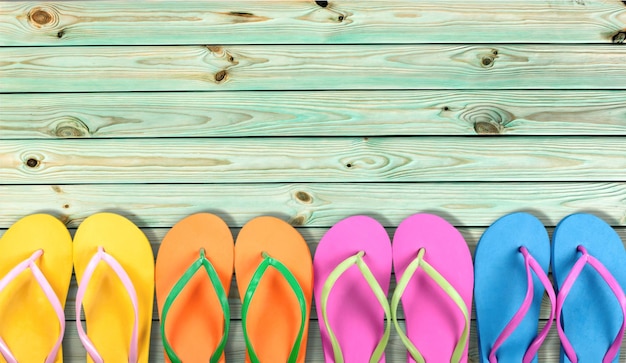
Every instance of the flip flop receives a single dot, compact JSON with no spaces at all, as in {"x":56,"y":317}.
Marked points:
{"x":194,"y":269}
{"x":36,"y":266}
{"x":435,"y":275}
{"x":352,"y":273}
{"x":510,"y":269}
{"x":589,"y":268}
{"x":276,"y":302}
{"x":114,"y":268}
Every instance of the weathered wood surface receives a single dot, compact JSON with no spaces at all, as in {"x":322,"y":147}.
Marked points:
{"x":235,"y":348}
{"x":347,"y":113}
{"x":378,"y":159}
{"x":316,"y":205}
{"x":310,"y":67}
{"x":296,"y":22}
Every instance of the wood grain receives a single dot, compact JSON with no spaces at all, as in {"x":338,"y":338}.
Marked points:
{"x":53,"y":23}
{"x":311,"y":67}
{"x":378,"y":159}
{"x":343,"y":113}
{"x":316,"y":205}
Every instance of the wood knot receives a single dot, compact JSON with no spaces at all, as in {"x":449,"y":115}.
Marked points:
{"x":322,"y":3}
{"x":487,"y":61}
{"x":221,"y":75}
{"x":61,"y":33}
{"x":43,"y":17}
{"x":71,"y":127}
{"x":486,"y":119}
{"x":304,"y":197}
{"x":214,"y":48}
{"x":298,"y":220}
{"x":619,"y":37}
{"x":32,"y":162}
{"x":341,"y":18}
{"x":66,"y":206}
{"x":486,"y":128}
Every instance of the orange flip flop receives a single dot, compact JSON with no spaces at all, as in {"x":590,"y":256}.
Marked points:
{"x":194,"y":269}
{"x":36,"y":268}
{"x":277,"y":300}
{"x":114,"y":268}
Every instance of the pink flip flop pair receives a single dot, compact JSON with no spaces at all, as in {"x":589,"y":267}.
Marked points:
{"x":435,"y":278}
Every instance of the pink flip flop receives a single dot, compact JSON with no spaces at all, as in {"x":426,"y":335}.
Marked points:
{"x":433,"y":266}
{"x":352,"y":269}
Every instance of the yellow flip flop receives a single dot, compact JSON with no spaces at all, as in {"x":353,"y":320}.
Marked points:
{"x":114,"y":267}
{"x":36,"y":268}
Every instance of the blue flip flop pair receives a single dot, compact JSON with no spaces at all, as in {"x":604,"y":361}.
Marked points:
{"x":589,"y":268}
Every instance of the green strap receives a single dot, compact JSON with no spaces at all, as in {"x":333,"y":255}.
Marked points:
{"x":376,"y":289}
{"x":297,"y":290}
{"x":419,"y":261}
{"x":178,"y":288}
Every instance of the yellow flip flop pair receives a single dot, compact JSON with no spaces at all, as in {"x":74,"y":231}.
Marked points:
{"x":114,"y":267}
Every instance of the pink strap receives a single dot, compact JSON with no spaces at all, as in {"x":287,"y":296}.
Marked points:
{"x":564,"y":291}
{"x":530,"y":264}
{"x":101,"y":255}
{"x":50,"y":294}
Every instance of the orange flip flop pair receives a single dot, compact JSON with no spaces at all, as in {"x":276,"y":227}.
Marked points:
{"x":114,"y":266}
{"x":274,"y":274}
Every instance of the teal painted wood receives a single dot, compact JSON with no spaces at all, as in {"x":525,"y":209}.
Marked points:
{"x":316,"y":205}
{"x":378,"y":159}
{"x":56,"y":23}
{"x":189,"y":68}
{"x":339,"y":113}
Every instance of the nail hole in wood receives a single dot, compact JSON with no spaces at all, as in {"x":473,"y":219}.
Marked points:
{"x":322,"y":3}
{"x":219,"y":76}
{"x":60,"y":34}
{"x":32,"y":163}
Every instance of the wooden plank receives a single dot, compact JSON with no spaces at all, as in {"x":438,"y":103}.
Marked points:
{"x":378,"y":159}
{"x":297,"y":22}
{"x":316,"y":205}
{"x":312,"y":67}
{"x":343,"y":113}
{"x":235,"y":348}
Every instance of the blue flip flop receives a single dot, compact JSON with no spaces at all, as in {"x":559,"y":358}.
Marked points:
{"x":589,"y":268}
{"x":510,"y":272}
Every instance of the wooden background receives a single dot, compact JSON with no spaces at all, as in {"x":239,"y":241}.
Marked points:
{"x":312,"y":111}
